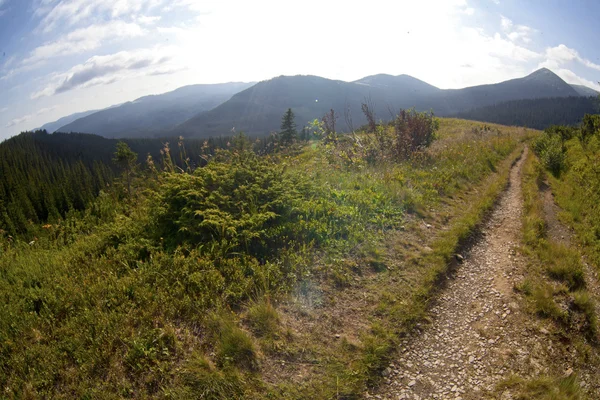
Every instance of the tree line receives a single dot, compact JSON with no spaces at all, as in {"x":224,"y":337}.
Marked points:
{"x":44,"y":176}
{"x":535,"y":113}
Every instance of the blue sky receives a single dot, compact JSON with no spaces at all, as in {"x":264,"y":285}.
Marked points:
{"x":58,"y":57}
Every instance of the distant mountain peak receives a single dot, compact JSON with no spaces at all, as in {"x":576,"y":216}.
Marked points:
{"x":543,"y":70}
{"x":402,"y":82}
{"x":543,"y":73}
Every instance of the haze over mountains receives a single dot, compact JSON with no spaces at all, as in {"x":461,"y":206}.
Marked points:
{"x":59,"y":123}
{"x":149,"y":115}
{"x":256,"y":109}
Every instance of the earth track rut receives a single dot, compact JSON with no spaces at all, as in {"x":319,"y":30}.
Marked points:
{"x":559,"y":232}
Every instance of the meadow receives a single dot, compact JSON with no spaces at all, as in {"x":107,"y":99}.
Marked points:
{"x":284,"y":275}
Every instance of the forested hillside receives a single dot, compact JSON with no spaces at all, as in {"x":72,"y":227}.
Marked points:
{"x":536,"y":113}
{"x":44,"y":176}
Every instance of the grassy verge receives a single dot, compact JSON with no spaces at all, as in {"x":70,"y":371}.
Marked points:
{"x":388,"y":304}
{"x":554,"y":290}
{"x":556,"y":284}
{"x":577,"y":192}
{"x":544,"y":388}
{"x":401,"y":317}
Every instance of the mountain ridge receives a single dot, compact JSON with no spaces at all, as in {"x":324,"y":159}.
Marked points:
{"x":152,"y":114}
{"x":258,"y":109}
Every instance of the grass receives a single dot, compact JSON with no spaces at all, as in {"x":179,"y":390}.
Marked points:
{"x":234,"y":346}
{"x":577,"y":193}
{"x":543,"y":388}
{"x":564,"y":264}
{"x":299,"y":281}
{"x":555,"y":289}
{"x":199,"y":378}
{"x":555,"y":260}
{"x":263,"y":317}
{"x":399,"y":297}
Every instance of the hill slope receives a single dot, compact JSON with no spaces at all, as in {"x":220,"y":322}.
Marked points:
{"x":585,"y":91}
{"x":258,"y":109}
{"x":53,"y":126}
{"x":403,"y":82}
{"x":148,"y":115}
{"x":542,"y":83}
{"x":535,"y":113}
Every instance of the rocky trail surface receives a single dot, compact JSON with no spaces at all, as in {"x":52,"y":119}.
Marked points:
{"x":478,"y":334}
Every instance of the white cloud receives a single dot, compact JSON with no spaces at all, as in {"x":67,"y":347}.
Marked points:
{"x":25,"y":118}
{"x":589,"y":64}
{"x":3,"y":10}
{"x":469,"y":11}
{"x":214,"y":48}
{"x":509,"y":50}
{"x":75,"y":12}
{"x":103,"y":70}
{"x":148,"y":20}
{"x":71,"y":12}
{"x":571,"y":77}
{"x":3,"y":109}
{"x":521,"y":32}
{"x":15,"y":71}
{"x":18,"y":121}
{"x":557,"y":56}
{"x":505,"y":23}
{"x":561,"y":54}
{"x":46,"y":110}
{"x":11,"y":60}
{"x":85,"y":39}
{"x":514,"y":32}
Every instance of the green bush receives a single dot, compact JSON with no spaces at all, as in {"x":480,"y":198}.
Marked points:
{"x":410,"y":132}
{"x":565,"y":132}
{"x":590,"y":127}
{"x":413,"y":131}
{"x":235,"y":202}
{"x":549,"y":147}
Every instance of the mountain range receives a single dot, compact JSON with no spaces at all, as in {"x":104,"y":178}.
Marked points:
{"x":213,"y":110}
{"x":152,"y":115}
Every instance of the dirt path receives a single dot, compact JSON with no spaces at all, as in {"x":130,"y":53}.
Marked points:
{"x":478,"y":335}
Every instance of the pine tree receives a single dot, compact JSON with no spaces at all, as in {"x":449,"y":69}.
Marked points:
{"x":126,"y":159}
{"x":288,"y":128}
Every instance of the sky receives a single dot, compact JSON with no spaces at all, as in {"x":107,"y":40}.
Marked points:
{"x":58,"y":57}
